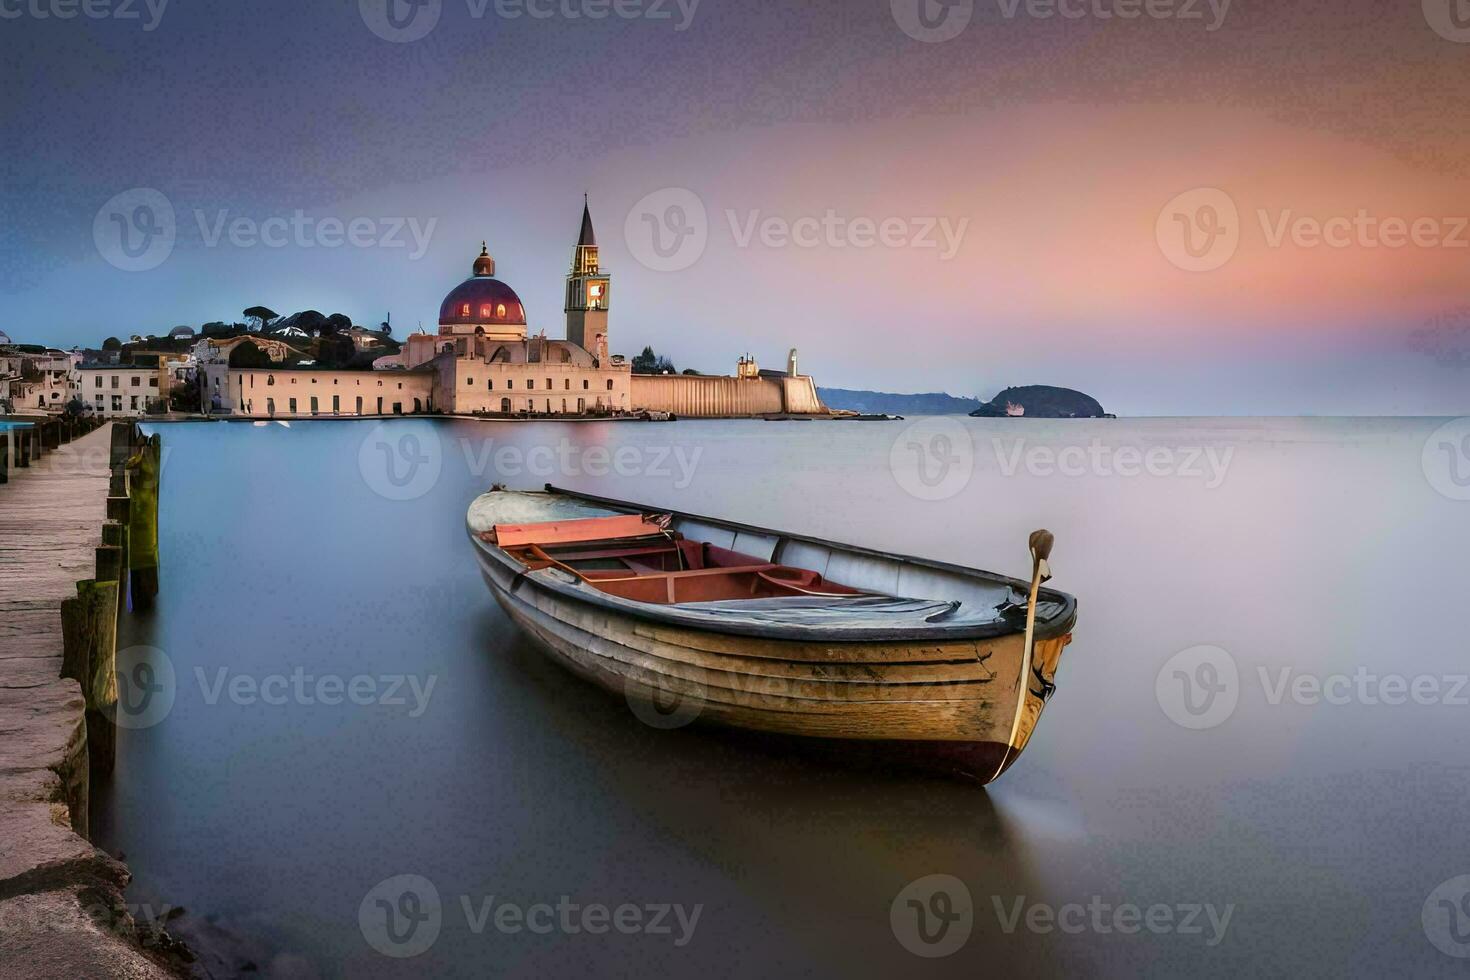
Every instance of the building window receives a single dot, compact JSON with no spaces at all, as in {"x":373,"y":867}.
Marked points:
{"x":530,"y":384}
{"x":115,"y":380}
{"x":469,"y":382}
{"x":313,"y":404}
{"x":270,"y":379}
{"x":566,"y":384}
{"x":99,"y":382}
{"x":490,"y":385}
{"x":505,"y":405}
{"x":464,"y":310}
{"x":584,"y":384}
{"x":485,"y":312}
{"x":609,"y":384}
{"x":510,"y":382}
{"x":336,"y":404}
{"x":548,"y":384}
{"x":153,"y":382}
{"x":500,"y":310}
{"x":293,"y":406}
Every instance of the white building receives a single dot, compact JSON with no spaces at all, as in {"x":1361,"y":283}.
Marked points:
{"x":122,"y":390}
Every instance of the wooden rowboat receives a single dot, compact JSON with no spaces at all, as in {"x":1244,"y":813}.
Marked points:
{"x":693,"y":617}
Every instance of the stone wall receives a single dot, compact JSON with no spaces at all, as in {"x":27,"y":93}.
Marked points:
{"x":702,"y":396}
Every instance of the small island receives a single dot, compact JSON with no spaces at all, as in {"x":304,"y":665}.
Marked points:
{"x":1041,"y":402}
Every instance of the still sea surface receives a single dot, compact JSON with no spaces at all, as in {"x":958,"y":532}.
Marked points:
{"x":1256,"y":760}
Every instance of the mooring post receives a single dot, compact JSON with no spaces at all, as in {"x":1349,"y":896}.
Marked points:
{"x":143,"y":522}
{"x":115,"y":534}
{"x":89,"y":656}
{"x":4,"y":457}
{"x":120,"y":445}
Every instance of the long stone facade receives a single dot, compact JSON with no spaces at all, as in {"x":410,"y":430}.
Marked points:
{"x":703,"y":396}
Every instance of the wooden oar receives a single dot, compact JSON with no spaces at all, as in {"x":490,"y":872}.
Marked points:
{"x":1041,"y":543}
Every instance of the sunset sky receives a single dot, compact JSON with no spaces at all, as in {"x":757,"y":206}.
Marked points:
{"x":1257,"y":207}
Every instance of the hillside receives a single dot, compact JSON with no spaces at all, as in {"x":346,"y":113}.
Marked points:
{"x":888,"y":403}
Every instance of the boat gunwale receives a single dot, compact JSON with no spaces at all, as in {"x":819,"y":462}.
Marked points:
{"x":1056,"y":625}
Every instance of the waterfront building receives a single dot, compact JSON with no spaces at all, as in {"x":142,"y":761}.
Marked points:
{"x":39,"y":378}
{"x":122,"y":390}
{"x":486,"y":361}
{"x":307,"y":392}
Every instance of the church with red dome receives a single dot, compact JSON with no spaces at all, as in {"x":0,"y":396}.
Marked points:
{"x":485,"y":359}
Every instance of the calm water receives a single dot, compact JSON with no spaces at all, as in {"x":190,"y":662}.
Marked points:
{"x":1294,"y":551}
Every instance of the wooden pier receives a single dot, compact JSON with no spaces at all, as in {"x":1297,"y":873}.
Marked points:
{"x":63,"y":584}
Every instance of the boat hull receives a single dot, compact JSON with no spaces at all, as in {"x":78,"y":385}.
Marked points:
{"x":948,"y":704}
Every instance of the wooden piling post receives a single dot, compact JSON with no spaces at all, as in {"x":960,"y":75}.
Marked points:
{"x":4,"y":457}
{"x":89,"y":656}
{"x":143,"y":522}
{"x":115,"y":534}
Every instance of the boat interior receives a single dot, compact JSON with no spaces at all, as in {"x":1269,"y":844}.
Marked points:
{"x":641,"y":558}
{"x":705,"y":573}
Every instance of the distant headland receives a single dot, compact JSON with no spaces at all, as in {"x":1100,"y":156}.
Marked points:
{"x":1028,"y":401}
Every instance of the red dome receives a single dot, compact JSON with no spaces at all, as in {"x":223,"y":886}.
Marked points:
{"x":482,"y":299}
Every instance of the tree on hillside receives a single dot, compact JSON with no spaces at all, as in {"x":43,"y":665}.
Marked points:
{"x":689,"y":371}
{"x":338,"y":322}
{"x":650,"y":363}
{"x":334,"y":350}
{"x":385,"y":328}
{"x":247,"y":355}
{"x":259,"y":316}
{"x":112,"y":343}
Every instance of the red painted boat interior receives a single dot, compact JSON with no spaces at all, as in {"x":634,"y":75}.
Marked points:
{"x":621,"y":557}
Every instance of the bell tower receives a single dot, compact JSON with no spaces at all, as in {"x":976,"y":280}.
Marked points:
{"x":587,"y":293}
